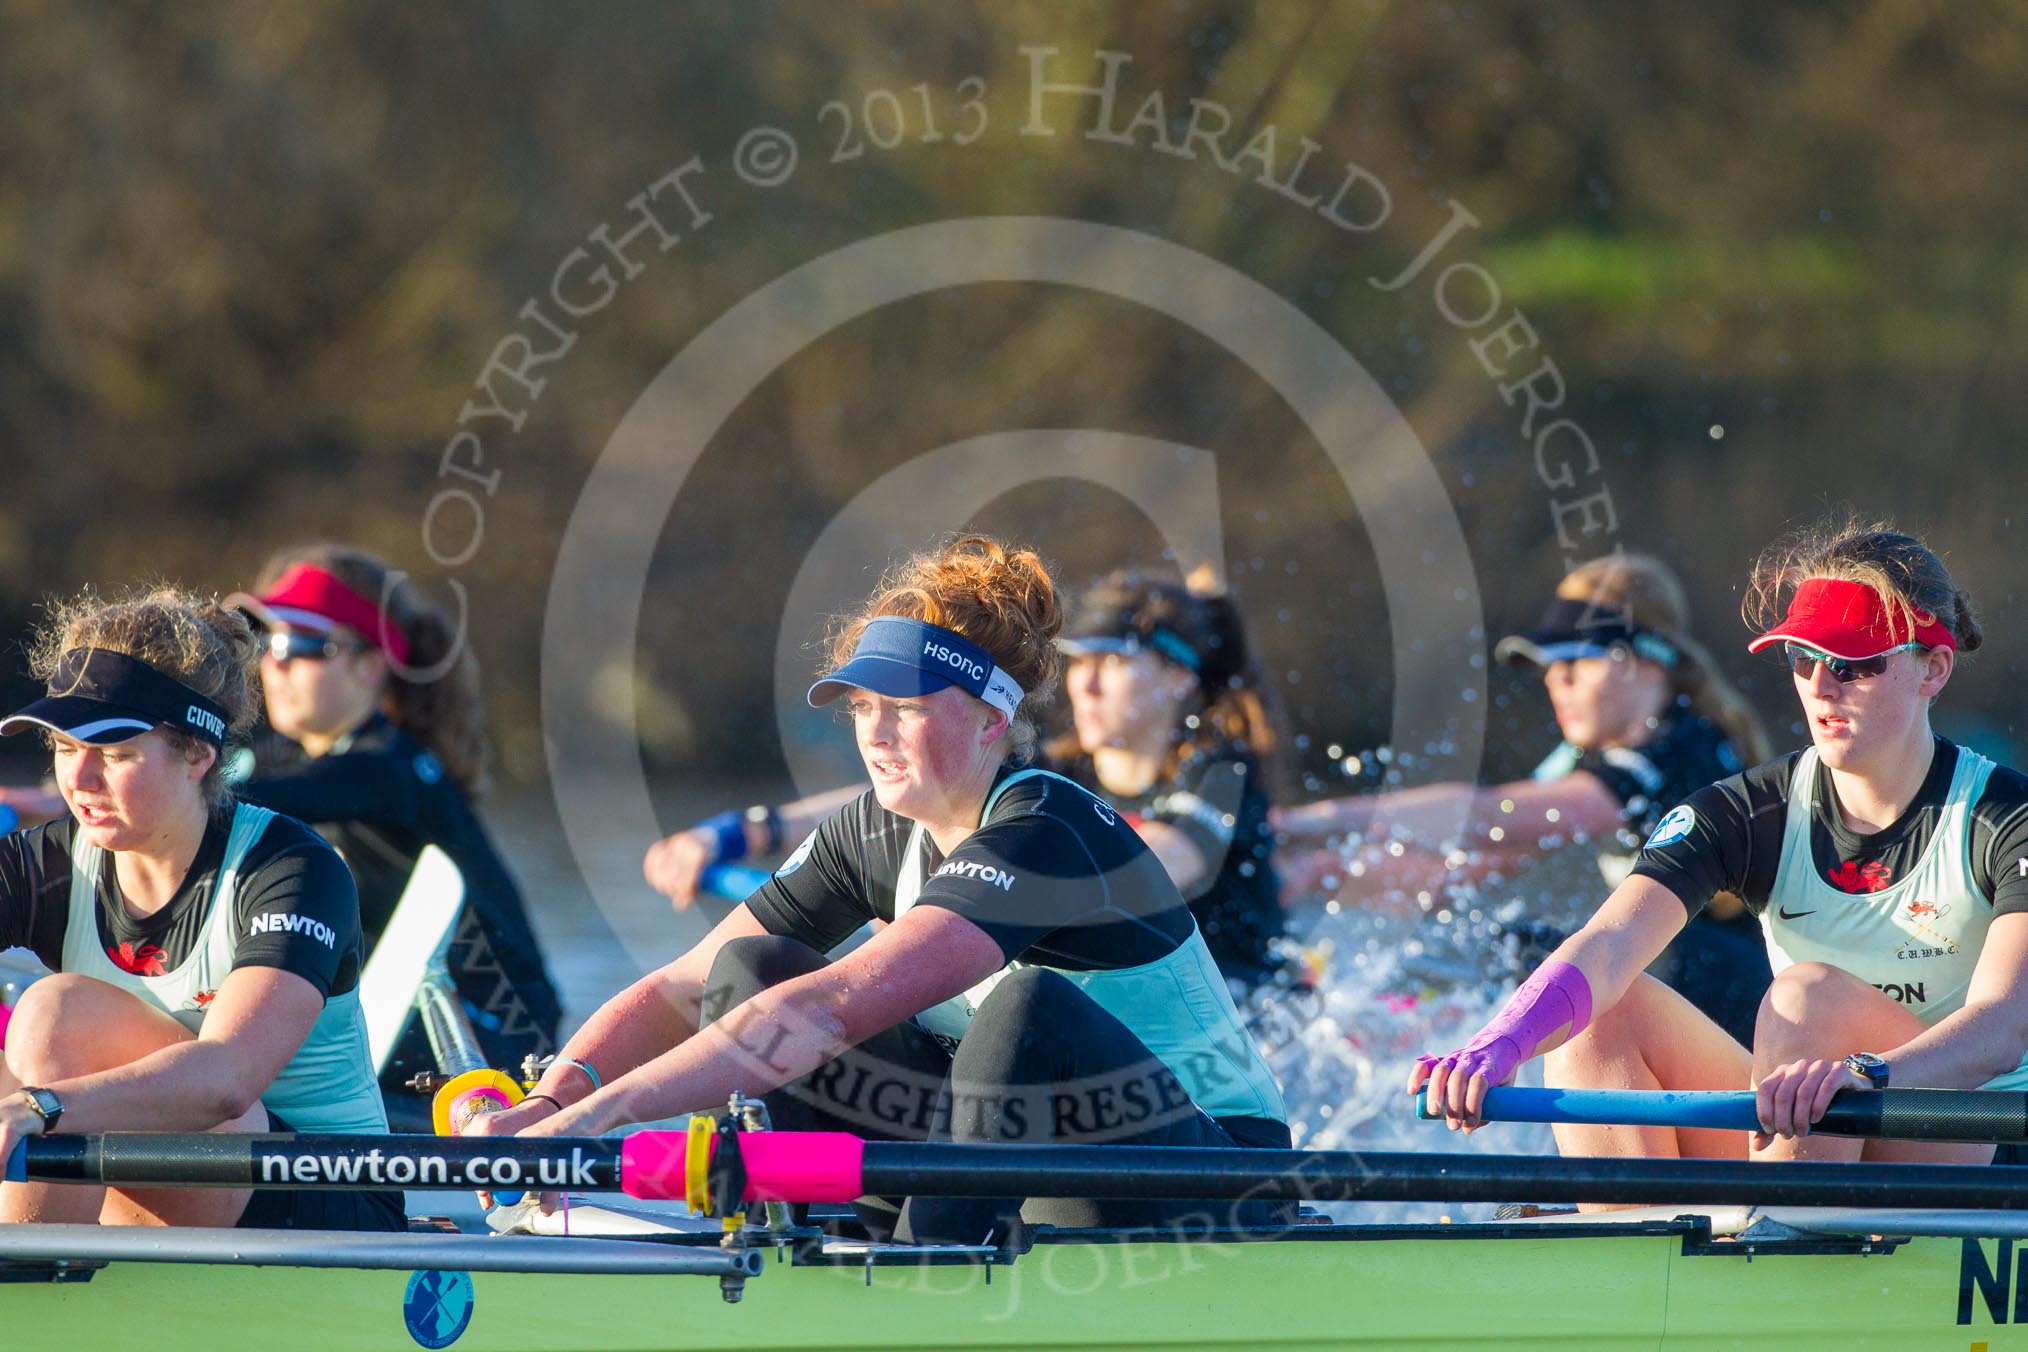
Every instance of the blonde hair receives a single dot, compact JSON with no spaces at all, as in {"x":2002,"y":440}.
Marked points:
{"x":1912,"y":583}
{"x":446,"y":714}
{"x":998,"y":596}
{"x":1648,"y":592}
{"x":193,"y":639}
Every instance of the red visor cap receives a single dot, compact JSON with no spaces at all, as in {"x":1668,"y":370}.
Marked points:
{"x":308,"y":593}
{"x":1846,"y":619}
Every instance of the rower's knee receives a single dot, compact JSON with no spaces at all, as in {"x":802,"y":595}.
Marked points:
{"x":750,"y":964}
{"x":1026,"y":992}
{"x":1612,"y":1034}
{"x":1810,"y":1002}
{"x":51,"y":1035}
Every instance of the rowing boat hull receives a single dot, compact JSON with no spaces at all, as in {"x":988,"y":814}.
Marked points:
{"x":1419,"y":1287}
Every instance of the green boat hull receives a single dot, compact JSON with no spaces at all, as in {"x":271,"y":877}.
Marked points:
{"x":1662,"y":1285}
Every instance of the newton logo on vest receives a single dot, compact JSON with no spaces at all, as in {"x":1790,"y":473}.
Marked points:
{"x":985,"y":873}
{"x":294,"y":924}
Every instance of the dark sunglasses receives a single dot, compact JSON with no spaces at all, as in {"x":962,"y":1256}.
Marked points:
{"x":1844,"y":670}
{"x":287,"y":645}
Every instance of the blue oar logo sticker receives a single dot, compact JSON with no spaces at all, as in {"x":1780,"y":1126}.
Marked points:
{"x":438,"y":1307}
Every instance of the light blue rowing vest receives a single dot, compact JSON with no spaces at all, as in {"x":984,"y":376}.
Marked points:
{"x":1179,"y":1005}
{"x":328,"y":1086}
{"x":1917,"y":939}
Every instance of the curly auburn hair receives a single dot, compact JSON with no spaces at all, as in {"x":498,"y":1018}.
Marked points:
{"x":999,"y":596}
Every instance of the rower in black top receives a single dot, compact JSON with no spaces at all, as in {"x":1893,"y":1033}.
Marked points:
{"x":1171,"y":725}
{"x":1037,"y":978}
{"x":205,"y":955}
{"x":1734,"y":836}
{"x":1881,"y":863}
{"x":1645,"y":717}
{"x":382,"y":747}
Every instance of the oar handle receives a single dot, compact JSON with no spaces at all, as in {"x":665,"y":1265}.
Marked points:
{"x":734,"y":882}
{"x":1977,"y":1115}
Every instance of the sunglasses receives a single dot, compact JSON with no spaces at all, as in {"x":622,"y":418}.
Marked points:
{"x":1845,"y":670}
{"x":287,"y":645}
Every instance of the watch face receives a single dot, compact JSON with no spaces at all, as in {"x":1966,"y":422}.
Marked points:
{"x":47,"y":1105}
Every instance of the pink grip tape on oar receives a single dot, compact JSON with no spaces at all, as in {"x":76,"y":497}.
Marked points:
{"x":802,"y":1166}
{"x":781,"y":1166}
{"x":5,"y":1014}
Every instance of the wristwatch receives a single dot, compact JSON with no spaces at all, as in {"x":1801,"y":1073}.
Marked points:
{"x":47,"y":1106}
{"x":1868,"y":1067}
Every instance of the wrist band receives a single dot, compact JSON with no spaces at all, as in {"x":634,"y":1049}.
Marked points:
{"x":585,"y":1066}
{"x":546,"y":1098}
{"x":770,"y":823}
{"x":728,"y":830}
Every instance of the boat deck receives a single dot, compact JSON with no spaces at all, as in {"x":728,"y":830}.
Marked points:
{"x":1652,"y":1279}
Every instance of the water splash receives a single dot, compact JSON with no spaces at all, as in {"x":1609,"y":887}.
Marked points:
{"x":1398,"y":975}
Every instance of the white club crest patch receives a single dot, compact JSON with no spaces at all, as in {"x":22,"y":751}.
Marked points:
{"x":795,"y":861}
{"x":1680,"y":822}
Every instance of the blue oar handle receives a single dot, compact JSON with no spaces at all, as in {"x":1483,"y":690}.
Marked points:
{"x":17,"y":1164}
{"x":1977,"y":1115}
{"x":1731,"y":1110}
{"x":734,"y":882}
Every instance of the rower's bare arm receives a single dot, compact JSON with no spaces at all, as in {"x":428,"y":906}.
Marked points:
{"x":657,"y":1012}
{"x":252,"y":1029}
{"x":674,"y":865}
{"x":807,"y":814}
{"x":1522,"y":813}
{"x":786,"y":1031}
{"x":1627,"y":933}
{"x":1986,"y":1037}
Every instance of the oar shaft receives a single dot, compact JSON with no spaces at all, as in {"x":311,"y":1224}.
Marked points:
{"x":1148,"y":1172}
{"x":788,"y":1166}
{"x":1976,"y":1115}
{"x":217,"y":1160}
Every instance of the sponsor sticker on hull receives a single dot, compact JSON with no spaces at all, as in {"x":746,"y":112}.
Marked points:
{"x":438,"y":1307}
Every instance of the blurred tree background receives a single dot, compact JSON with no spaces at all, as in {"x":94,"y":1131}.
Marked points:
{"x":254,"y":257}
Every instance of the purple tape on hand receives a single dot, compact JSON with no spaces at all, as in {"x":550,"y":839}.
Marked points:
{"x":1556,"y":995}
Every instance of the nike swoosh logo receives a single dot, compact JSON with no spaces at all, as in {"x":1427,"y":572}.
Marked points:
{"x":1787,"y":914}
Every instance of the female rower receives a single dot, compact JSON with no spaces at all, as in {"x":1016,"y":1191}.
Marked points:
{"x":1646,"y":718}
{"x":1040,"y":979}
{"x":385,"y":752}
{"x":205,"y":955}
{"x":1880,"y":861}
{"x":1170,"y":725}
